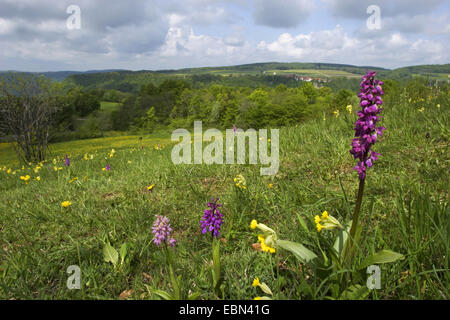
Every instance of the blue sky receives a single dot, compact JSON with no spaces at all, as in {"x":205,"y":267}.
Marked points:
{"x":170,"y":34}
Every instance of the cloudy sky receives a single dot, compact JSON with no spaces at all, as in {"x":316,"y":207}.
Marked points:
{"x":166,"y":34}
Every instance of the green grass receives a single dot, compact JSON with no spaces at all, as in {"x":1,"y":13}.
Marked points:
{"x":405,"y":209}
{"x":316,"y":73}
{"x":109,"y":107}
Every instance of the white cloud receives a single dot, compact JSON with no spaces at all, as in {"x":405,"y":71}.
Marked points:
{"x":162,"y":34}
{"x":337,"y":46}
{"x":282,"y":13}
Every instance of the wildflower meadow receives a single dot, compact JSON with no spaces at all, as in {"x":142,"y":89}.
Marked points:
{"x":357,"y":210}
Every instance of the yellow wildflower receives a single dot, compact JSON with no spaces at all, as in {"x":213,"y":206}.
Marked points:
{"x":316,"y":219}
{"x":270,"y":185}
{"x":328,"y":222}
{"x":336,"y":113}
{"x":38,"y":178}
{"x":149,"y":188}
{"x":256,"y":282}
{"x":257,"y":298}
{"x":253,"y":224}
{"x":349,"y":108}
{"x":65,"y":204}
{"x":240,"y":182}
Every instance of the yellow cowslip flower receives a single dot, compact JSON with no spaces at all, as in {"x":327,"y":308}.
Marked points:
{"x":65,"y":204}
{"x":319,"y":227}
{"x":256,"y":282}
{"x":260,"y":238}
{"x":421,"y":109}
{"x":55,"y":168}
{"x":8,"y":171}
{"x":38,"y":178}
{"x":103,"y":169}
{"x":60,"y":168}
{"x":54,"y":161}
{"x":336,"y":113}
{"x":328,"y":222}
{"x":349,"y":108}
{"x":267,"y":239}
{"x":25,"y":178}
{"x":264,"y":246}
{"x":74,"y":179}
{"x":240,"y":182}
{"x":91,"y":156}
{"x":85,"y":157}
{"x":270,"y":185}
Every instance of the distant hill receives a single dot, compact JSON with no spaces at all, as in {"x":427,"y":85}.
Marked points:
{"x":253,"y":75}
{"x":61,"y":75}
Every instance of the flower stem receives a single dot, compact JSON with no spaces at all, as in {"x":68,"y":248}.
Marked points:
{"x":357,"y":209}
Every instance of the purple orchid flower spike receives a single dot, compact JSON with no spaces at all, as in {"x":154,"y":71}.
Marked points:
{"x":366,"y":131}
{"x":162,"y":231}
{"x":66,"y":160}
{"x":212,"y":218}
{"x":108,"y":167}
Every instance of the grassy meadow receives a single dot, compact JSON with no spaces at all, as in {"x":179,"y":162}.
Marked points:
{"x":405,"y":209}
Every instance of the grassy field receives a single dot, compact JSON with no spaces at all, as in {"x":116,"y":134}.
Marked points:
{"x":109,"y":107}
{"x":317,"y":73}
{"x":405,"y":209}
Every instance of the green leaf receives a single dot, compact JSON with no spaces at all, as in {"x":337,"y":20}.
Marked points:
{"x":303,"y":254}
{"x":216,"y":262}
{"x":265,"y":288}
{"x":355,"y":292}
{"x":383,"y":256}
{"x":194,"y":296}
{"x":341,"y":240}
{"x":110,"y":254}
{"x":162,"y":294}
{"x":123,"y":252}
{"x":175,"y":283}
{"x":303,"y":224}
